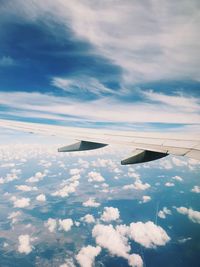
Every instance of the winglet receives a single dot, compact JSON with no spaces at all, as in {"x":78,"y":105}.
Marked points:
{"x":81,"y":146}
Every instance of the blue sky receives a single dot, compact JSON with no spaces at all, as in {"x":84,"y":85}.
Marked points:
{"x":123,"y":64}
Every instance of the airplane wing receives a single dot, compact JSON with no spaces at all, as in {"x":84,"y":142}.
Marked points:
{"x":148,"y":146}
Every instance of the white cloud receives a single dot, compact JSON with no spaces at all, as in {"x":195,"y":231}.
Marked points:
{"x":111,"y":110}
{"x":36,"y":178}
{"x":88,"y":218}
{"x":84,"y":163}
{"x":117,"y":244}
{"x":165,"y":211}
{"x":145,"y":199}
{"x":188,"y":103}
{"x":20,"y":202}
{"x":95,"y":177}
{"x":41,"y":198}
{"x":24,"y":244}
{"x":169,"y":184}
{"x":135,"y":260}
{"x":86,"y":255}
{"x":104,"y":163}
{"x":148,"y":234}
{"x":13,"y":175}
{"x":161,"y":214}
{"x":115,"y":240}
{"x":178,"y":162}
{"x":193,"y":215}
{"x":166,"y":164}
{"x":62,"y":83}
{"x":75,"y":171}
{"x":26,"y":188}
{"x":110,"y":214}
{"x":68,"y":263}
{"x":67,"y":189}
{"x":137,"y":185}
{"x":84,"y":84}
{"x":177,"y":178}
{"x":91,"y":203}
{"x":13,"y":216}
{"x":140,"y":40}
{"x":133,"y":174}
{"x":196,"y":189}
{"x":51,"y":224}
{"x":65,"y":224}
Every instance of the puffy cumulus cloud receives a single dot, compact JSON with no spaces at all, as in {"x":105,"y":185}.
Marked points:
{"x":20,"y":202}
{"x":135,"y":260}
{"x":24,"y":244}
{"x":37,"y":177}
{"x":145,"y":199}
{"x":132,"y":173}
{"x":104,"y":163}
{"x":115,"y":240}
{"x":26,"y":188}
{"x":51,"y":224}
{"x":67,"y":189}
{"x":14,"y":216}
{"x":177,"y":178}
{"x":7,"y":165}
{"x":165,"y":211}
{"x":91,"y":202}
{"x":169,"y":184}
{"x":41,"y":198}
{"x":137,"y":185}
{"x":45,"y":163}
{"x":65,"y":224}
{"x":196,"y":189}
{"x":104,"y":185}
{"x":77,"y":224}
{"x":13,"y":175}
{"x":75,"y":171}
{"x":117,"y":243}
{"x":193,"y":215}
{"x":86,"y":255}
{"x":83,"y":163}
{"x":165,"y":164}
{"x":68,"y":263}
{"x":178,"y":162}
{"x":88,"y":218}
{"x":148,"y":234}
{"x":110,"y":214}
{"x":95,"y":177}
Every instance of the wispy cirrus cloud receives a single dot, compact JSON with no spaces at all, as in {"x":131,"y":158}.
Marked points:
{"x":104,"y":109}
{"x":149,"y":40}
{"x":92,"y":57}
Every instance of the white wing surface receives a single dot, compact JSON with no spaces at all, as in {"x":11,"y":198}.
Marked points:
{"x":148,"y":146}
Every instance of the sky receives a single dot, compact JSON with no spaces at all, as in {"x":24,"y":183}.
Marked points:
{"x":116,"y":64}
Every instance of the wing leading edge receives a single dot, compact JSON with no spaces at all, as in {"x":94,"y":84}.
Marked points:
{"x":149,"y":146}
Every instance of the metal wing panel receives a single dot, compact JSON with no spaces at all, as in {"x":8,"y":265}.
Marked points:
{"x":168,"y":143}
